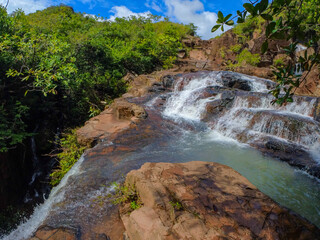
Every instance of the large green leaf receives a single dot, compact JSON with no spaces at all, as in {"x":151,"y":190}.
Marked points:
{"x":220,"y":16}
{"x":267,"y":17}
{"x":227,"y":17}
{"x":250,"y":8}
{"x":215,"y":28}
{"x":230,"y":23}
{"x":270,"y":28}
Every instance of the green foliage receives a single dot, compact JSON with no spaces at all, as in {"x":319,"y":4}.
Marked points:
{"x":295,"y":20}
{"x":71,"y":152}
{"x":247,"y":57}
{"x":126,"y":194}
{"x":278,"y":62}
{"x":236,"y":48}
{"x":63,"y":66}
{"x":247,"y":28}
{"x":222,"y":52}
{"x":12,"y":126}
{"x":176,"y":205}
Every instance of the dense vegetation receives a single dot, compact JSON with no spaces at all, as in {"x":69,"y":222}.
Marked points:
{"x":59,"y":67}
{"x":296,"y":21}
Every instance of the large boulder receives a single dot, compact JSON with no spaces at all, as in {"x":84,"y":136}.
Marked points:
{"x":200,"y":200}
{"x":116,"y":118}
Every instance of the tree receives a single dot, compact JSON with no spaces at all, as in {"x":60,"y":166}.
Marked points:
{"x":294,"y":20}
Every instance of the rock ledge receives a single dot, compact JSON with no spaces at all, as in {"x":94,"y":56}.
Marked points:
{"x":200,"y":200}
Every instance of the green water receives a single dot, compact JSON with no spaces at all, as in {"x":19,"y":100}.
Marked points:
{"x":289,"y":187}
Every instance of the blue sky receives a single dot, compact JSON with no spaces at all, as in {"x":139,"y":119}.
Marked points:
{"x":203,"y":13}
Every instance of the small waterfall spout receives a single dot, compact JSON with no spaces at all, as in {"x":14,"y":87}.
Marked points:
{"x":298,"y":69}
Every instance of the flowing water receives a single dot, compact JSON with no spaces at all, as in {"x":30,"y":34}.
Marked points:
{"x":250,"y":116}
{"x":27,"y":228}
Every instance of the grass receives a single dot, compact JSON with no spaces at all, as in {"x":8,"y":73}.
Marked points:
{"x":125,"y":194}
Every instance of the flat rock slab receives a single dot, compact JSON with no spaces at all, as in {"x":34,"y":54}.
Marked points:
{"x":201,"y":200}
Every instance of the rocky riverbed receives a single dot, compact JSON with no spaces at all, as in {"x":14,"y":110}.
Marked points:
{"x":159,"y":120}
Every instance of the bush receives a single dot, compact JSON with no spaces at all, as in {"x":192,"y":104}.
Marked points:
{"x":71,"y":152}
{"x":247,"y":28}
{"x":222,"y":52}
{"x":247,"y":57}
{"x":236,"y":48}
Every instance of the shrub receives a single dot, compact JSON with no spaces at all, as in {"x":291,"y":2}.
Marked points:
{"x":222,"y":52}
{"x":247,"y":28}
{"x":71,"y":152}
{"x":278,"y":62}
{"x":236,"y":48}
{"x":247,"y":57}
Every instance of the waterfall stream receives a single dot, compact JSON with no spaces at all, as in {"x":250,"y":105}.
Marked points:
{"x":251,"y":117}
{"x":227,"y":117}
{"x":28,"y":227}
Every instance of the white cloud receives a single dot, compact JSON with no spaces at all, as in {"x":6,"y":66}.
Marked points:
{"x":154,"y":5}
{"x":192,"y":11}
{"x":123,"y":11}
{"x":28,"y":6}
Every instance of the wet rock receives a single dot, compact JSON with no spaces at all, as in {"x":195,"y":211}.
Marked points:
{"x":291,"y":153}
{"x":116,"y":118}
{"x":199,"y":200}
{"x":316,"y":113}
{"x":47,"y":233}
{"x":127,"y":110}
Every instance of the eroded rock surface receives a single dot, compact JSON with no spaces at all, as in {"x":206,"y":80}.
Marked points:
{"x":200,"y":200}
{"x":116,"y":118}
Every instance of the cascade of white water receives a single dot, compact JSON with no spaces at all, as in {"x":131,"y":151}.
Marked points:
{"x":301,"y":107}
{"x":252,"y":116}
{"x":258,"y":85}
{"x":26,"y":229}
{"x":187,"y":103}
{"x":252,"y":124}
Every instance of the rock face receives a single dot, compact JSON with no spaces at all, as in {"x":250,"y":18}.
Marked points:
{"x":199,"y":200}
{"x":114,"y":119}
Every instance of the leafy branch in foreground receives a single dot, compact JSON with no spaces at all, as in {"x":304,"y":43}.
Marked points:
{"x":296,"y":21}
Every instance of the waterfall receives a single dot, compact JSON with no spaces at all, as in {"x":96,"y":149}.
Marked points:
{"x":26,"y":229}
{"x":300,"y":47}
{"x":298,"y":69}
{"x":188,"y":103}
{"x":251,"y":117}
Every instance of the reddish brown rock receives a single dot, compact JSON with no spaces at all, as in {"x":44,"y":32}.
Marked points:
{"x":47,"y":233}
{"x":116,"y":118}
{"x":199,"y":200}
{"x":311,"y":86}
{"x":198,"y":54}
